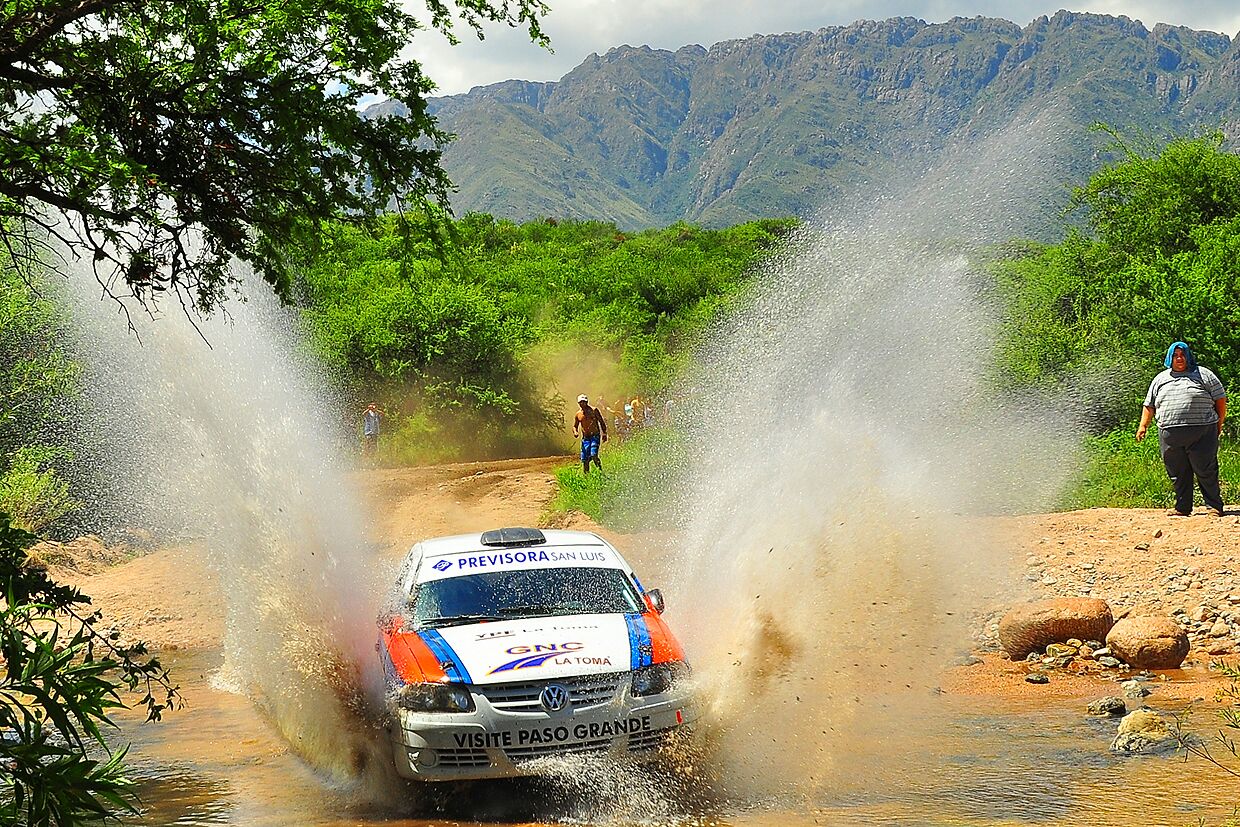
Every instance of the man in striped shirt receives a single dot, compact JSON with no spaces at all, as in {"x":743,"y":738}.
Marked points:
{"x":1190,"y":404}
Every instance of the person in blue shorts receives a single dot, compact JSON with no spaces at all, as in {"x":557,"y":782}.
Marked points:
{"x":592,"y":427}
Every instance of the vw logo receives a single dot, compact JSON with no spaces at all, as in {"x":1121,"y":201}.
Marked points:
{"x":554,"y":697}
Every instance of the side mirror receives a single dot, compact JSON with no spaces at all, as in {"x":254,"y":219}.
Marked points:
{"x":656,"y":600}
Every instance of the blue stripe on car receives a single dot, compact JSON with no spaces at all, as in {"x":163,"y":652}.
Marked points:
{"x":451,"y":663}
{"x":641,"y":652}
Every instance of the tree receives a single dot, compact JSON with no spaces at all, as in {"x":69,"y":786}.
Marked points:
{"x":174,"y":136}
{"x":62,"y":676}
{"x":1160,"y":262}
{"x":1151,"y":203}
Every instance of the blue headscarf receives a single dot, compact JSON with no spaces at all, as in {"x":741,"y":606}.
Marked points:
{"x":1188,"y":355}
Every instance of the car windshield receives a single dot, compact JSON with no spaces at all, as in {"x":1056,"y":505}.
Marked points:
{"x":501,"y":595}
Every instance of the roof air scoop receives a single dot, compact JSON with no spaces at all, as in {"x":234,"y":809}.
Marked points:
{"x":513,"y":537}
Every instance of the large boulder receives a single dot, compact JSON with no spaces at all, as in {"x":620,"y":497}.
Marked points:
{"x":1149,"y":642}
{"x":1031,"y":627}
{"x":1143,"y":730}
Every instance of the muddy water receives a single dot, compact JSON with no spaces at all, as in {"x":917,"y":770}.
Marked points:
{"x":962,"y":761}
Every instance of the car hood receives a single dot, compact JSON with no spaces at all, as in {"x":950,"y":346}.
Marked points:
{"x":540,"y":648}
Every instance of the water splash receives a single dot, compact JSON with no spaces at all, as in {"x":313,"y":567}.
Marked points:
{"x":847,"y":436}
{"x":217,"y":433}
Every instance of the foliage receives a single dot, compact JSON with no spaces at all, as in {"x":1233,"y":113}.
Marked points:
{"x":37,"y":377}
{"x":1091,"y":317}
{"x":443,"y":331}
{"x":62,"y":677}
{"x":176,"y":136}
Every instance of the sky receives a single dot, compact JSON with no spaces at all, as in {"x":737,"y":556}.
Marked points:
{"x":579,"y":27}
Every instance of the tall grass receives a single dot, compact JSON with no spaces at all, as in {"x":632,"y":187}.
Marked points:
{"x":631,"y":492}
{"x":1119,"y":472}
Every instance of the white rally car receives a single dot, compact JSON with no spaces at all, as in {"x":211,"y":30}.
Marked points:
{"x":519,"y":644}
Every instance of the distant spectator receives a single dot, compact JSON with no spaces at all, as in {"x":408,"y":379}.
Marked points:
{"x":370,"y":429}
{"x":593,"y":427}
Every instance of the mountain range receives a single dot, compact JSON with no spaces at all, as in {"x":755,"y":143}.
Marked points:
{"x":774,"y":125}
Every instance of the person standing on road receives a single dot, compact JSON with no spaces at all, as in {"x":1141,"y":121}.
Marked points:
{"x":370,"y":429}
{"x":593,"y":428}
{"x":1191,"y":404}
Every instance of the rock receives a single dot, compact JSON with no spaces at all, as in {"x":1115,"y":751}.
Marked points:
{"x":1221,"y":647}
{"x":1032,"y":626}
{"x":1075,"y":642}
{"x":1061,"y":650}
{"x":1149,"y":642}
{"x":1110,"y":705}
{"x":1036,"y":677}
{"x":1143,"y":731}
{"x":1143,"y":546}
{"x":1110,"y":662}
{"x":1220,"y":629}
{"x":1100,"y":651}
{"x":1158,"y":533}
{"x":1202,"y":613}
{"x":1134,"y":689}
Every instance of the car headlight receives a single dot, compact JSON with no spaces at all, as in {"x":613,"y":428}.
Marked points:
{"x":434,"y":697}
{"x":658,"y":677}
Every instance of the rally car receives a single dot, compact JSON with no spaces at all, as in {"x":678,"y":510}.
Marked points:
{"x":516,"y":645}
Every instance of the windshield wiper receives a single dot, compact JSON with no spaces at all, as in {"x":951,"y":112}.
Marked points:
{"x":540,"y":610}
{"x":455,"y":620}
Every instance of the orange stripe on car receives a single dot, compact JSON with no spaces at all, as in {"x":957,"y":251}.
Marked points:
{"x":663,"y":645}
{"x":413,"y":659}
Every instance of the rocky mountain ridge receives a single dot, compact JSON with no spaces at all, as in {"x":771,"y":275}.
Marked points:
{"x":778,"y":124}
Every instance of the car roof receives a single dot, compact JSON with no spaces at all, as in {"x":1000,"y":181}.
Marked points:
{"x":507,"y":548}
{"x":553,"y":538}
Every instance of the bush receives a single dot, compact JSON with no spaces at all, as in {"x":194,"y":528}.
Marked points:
{"x":62,"y":676}
{"x":439,"y":330}
{"x":32,"y":492}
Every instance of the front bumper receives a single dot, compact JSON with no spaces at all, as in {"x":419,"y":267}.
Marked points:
{"x":492,"y":743}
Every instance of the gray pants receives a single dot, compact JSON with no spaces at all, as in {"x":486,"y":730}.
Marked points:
{"x":1188,"y":451}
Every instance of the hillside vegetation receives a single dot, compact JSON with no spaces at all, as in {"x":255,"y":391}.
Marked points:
{"x":473,"y":338}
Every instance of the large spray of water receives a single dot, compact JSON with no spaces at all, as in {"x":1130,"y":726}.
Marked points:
{"x":217,"y":432}
{"x":846,"y":436}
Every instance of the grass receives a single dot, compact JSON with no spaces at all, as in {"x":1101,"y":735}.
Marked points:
{"x":1119,"y":472}
{"x":627,"y":494}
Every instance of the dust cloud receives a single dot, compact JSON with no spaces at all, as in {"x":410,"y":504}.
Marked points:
{"x":846,"y":436}
{"x":567,"y":369}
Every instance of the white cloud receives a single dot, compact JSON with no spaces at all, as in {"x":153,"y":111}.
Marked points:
{"x":579,"y":27}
